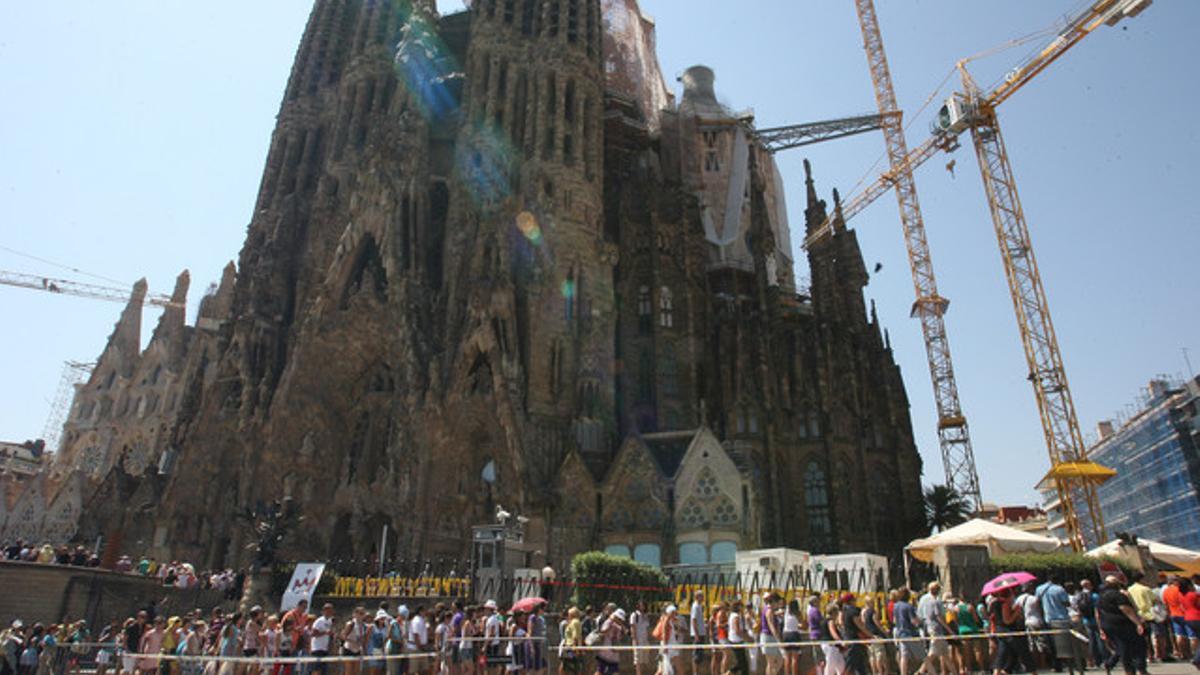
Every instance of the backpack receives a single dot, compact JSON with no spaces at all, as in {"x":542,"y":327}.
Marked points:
{"x":660,"y":629}
{"x":1087,"y":607}
{"x":593,"y":638}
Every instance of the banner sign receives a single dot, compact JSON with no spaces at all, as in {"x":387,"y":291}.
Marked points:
{"x":1110,"y":568}
{"x":304,"y":581}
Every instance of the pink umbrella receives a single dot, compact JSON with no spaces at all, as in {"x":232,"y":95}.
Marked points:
{"x":1006,"y":581}
{"x":527,"y":604}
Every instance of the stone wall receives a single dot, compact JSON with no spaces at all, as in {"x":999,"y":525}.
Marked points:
{"x":34,"y":592}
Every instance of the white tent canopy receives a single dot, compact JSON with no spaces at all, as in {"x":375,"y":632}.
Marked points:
{"x":1179,"y":558}
{"x":999,"y":539}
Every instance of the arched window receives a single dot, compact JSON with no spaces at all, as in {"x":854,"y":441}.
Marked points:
{"x":619,"y":550}
{"x":643,"y":302}
{"x":650,"y":554}
{"x":666,"y":308}
{"x":692,"y":553}
{"x":816,"y":503}
{"x":645,"y":310}
{"x":723,"y":552}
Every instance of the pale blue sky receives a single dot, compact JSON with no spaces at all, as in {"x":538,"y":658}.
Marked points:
{"x":133,"y":135}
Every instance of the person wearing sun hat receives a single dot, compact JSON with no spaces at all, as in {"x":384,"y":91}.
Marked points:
{"x":668,"y":635}
{"x":607,"y":661}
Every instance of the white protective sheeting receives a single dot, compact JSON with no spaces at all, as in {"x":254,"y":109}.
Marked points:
{"x":999,"y":539}
{"x":735,"y":197}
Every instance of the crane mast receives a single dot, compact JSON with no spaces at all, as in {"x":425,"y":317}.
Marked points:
{"x":958,"y":457}
{"x":1064,"y":442}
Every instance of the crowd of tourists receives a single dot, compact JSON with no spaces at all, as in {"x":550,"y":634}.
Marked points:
{"x":23,"y":551}
{"x":1017,"y":626}
{"x":176,"y":573}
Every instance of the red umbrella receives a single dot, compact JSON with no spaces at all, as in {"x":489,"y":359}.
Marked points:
{"x":527,"y":605}
{"x":1006,"y":581}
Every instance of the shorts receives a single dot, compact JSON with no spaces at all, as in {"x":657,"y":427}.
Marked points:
{"x":698,"y":654}
{"x":607,"y":667}
{"x":878,"y":650}
{"x":834,"y":659}
{"x":103,"y":657}
{"x":938,"y":647}
{"x":319,"y":665}
{"x":1181,"y":628}
{"x":128,"y":664}
{"x":913,"y":649}
{"x":769,"y":645}
{"x":789,"y":638}
{"x":495,"y":655}
{"x":643,"y":656}
{"x":741,"y":658}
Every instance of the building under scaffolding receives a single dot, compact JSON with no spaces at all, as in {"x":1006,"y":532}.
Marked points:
{"x":1156,"y":492}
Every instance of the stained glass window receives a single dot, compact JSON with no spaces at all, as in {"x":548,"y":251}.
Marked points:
{"x":666,"y":308}
{"x":816,"y":502}
{"x":724,"y":512}
{"x":692,"y":514}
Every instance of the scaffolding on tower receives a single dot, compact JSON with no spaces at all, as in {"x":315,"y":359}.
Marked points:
{"x":73,"y":374}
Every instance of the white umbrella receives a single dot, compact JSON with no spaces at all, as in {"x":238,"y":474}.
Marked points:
{"x":999,"y":539}
{"x":1179,"y":558}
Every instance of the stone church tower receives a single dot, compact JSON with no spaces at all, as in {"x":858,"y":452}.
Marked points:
{"x":493,"y":263}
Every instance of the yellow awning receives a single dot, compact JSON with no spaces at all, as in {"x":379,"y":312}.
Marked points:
{"x":1078,"y":472}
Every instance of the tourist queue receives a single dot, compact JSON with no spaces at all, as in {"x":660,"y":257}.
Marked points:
{"x":1019,"y":625}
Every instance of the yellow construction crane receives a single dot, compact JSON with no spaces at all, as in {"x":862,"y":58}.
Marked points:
{"x":1071,"y":474}
{"x":68,"y":287}
{"x":958,"y":458}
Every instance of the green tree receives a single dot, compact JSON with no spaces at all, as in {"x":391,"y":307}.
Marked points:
{"x":945,"y":508}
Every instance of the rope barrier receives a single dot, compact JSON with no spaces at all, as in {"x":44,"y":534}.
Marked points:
{"x":205,"y":658}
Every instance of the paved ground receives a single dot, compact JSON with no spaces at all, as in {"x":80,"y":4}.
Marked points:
{"x":1179,"y":668}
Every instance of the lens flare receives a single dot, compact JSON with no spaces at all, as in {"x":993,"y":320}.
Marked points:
{"x":428,"y":69}
{"x":527,"y":223}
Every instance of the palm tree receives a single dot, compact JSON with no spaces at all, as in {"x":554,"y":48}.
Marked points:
{"x":945,"y":508}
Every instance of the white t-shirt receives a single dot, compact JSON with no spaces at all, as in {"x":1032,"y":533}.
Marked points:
{"x":418,"y":633}
{"x":697,"y":627}
{"x":491,"y":629}
{"x":1032,"y":608}
{"x":640,"y":624}
{"x":735,"y":628}
{"x":791,"y":623}
{"x":323,"y":624}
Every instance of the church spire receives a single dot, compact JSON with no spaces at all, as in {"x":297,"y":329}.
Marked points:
{"x":171,"y":326}
{"x":126,"y":337}
{"x":839,"y":219}
{"x":814,"y":211}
